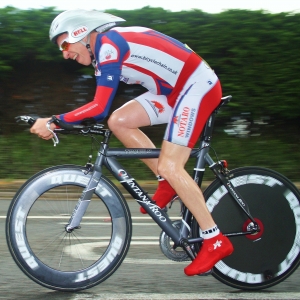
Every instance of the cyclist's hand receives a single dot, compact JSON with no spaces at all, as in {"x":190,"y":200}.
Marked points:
{"x":39,"y":128}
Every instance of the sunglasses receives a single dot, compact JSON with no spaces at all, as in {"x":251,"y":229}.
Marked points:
{"x":64,"y":46}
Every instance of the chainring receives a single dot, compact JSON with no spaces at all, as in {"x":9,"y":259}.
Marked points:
{"x":167,"y":246}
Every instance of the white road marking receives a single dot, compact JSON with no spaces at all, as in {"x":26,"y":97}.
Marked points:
{"x":87,"y":250}
{"x":107,"y":238}
{"x":139,"y":261}
{"x":109,"y":223}
{"x":192,"y":296}
{"x":92,"y":218}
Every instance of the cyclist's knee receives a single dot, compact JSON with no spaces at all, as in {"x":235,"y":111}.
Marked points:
{"x":168,"y":169}
{"x":116,"y":121}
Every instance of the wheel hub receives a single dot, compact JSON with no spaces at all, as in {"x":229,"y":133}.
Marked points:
{"x":248,"y":225}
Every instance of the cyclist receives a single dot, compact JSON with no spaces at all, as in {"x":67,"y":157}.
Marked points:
{"x":182,"y":92}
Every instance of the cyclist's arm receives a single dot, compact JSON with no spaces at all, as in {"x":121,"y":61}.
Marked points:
{"x":110,"y":56}
{"x":97,"y":109}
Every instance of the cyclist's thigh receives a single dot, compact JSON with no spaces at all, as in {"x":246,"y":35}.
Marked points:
{"x":156,"y":107}
{"x":200,"y":96}
{"x":130,"y":115}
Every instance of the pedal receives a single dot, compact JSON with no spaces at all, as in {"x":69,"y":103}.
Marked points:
{"x":206,"y":273}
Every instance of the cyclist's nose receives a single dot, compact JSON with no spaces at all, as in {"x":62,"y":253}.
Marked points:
{"x":66,"y":54}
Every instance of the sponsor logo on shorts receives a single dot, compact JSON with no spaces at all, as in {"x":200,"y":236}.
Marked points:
{"x":185,"y":122}
{"x":156,"y":106}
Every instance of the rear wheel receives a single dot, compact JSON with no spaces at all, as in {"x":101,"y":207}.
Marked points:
{"x":268,"y":257}
{"x":50,"y":255}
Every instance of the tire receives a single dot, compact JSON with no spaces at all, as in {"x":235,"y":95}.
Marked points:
{"x":268,"y":257}
{"x":54,"y":258}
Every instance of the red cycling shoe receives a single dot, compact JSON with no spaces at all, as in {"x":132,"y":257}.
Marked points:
{"x":212,"y":250}
{"x":163,"y":195}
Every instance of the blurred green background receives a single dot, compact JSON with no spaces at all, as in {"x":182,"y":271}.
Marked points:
{"x":254,"y":53}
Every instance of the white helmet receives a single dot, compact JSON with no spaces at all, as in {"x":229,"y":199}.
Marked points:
{"x":78,"y":23}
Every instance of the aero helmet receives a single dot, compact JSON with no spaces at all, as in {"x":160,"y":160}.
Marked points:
{"x":78,"y":23}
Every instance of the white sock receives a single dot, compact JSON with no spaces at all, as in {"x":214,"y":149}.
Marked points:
{"x":159,"y":178}
{"x":211,"y":232}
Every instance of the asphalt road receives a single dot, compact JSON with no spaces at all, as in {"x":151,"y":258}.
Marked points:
{"x":145,"y":274}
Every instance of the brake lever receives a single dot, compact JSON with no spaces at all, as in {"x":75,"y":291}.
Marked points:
{"x":55,"y":138}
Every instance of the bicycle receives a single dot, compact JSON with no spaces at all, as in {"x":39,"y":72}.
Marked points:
{"x":50,"y":232}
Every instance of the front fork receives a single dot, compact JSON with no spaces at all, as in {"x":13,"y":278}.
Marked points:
{"x":87,"y":193}
{"x":83,"y":202}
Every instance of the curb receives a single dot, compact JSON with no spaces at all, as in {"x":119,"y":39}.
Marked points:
{"x":8,"y":188}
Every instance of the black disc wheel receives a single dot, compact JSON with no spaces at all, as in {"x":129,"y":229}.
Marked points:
{"x":269,"y":256}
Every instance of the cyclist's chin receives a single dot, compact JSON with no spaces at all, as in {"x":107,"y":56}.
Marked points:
{"x":83,"y":61}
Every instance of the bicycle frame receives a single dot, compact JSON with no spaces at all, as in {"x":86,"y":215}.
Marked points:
{"x":108,"y":158}
{"x":68,"y":259}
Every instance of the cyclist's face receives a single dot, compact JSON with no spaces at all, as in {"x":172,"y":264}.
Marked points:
{"x":75,"y":51}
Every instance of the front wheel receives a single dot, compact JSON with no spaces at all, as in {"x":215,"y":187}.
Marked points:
{"x":268,"y":257}
{"x":53,"y":256}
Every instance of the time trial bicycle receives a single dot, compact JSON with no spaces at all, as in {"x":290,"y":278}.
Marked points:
{"x":69,"y":227}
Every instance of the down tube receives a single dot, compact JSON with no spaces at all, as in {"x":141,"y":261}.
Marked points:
{"x":157,"y":214}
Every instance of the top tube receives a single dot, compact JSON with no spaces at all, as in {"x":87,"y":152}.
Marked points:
{"x":140,"y":152}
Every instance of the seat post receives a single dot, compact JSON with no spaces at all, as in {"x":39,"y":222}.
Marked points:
{"x":208,"y":129}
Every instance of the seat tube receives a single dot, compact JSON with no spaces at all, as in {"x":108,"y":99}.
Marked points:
{"x":199,"y":167}
{"x":204,"y":149}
